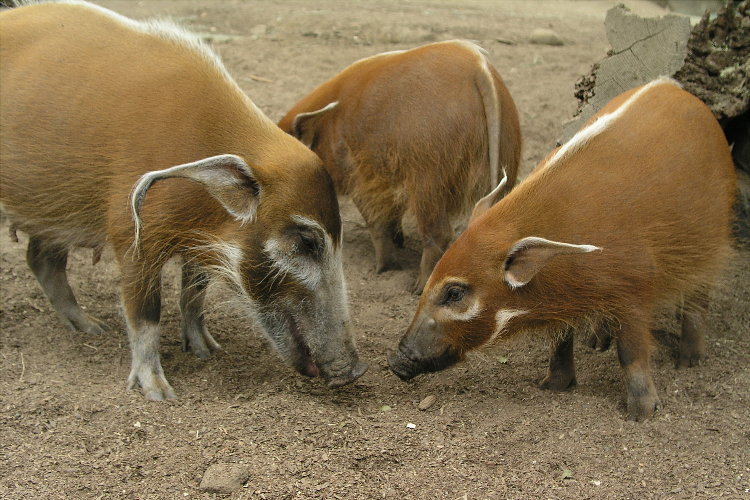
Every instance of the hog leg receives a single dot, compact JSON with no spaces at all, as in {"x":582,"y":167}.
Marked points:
{"x":385,"y":248}
{"x":562,"y":373}
{"x":48,"y":261}
{"x":142,"y":304}
{"x":397,"y":233}
{"x":383,"y":226}
{"x":437,"y":234}
{"x":195,"y":335}
{"x":601,"y":338}
{"x":633,"y":344}
{"x":692,"y":342}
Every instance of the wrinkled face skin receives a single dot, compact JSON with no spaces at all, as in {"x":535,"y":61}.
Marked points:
{"x":288,"y":267}
{"x":465,"y":304}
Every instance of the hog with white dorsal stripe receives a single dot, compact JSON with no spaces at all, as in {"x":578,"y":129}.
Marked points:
{"x":424,"y":131}
{"x":632,"y":215}
{"x":133,"y":134}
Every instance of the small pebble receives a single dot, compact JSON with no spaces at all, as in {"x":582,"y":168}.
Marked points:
{"x":411,"y":426}
{"x":543,"y":36}
{"x":427,"y":402}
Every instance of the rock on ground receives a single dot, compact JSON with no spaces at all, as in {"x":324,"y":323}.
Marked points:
{"x":225,"y":478}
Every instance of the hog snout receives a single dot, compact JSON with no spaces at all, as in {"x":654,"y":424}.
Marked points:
{"x":402,"y":366}
{"x":337,"y":378}
{"x":407,"y":365}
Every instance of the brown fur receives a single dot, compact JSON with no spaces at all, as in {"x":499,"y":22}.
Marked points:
{"x":90,"y":102}
{"x":654,"y":191}
{"x":410,"y":133}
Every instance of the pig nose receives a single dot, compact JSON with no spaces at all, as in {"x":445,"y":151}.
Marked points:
{"x":356,"y":371}
{"x":401,"y":365}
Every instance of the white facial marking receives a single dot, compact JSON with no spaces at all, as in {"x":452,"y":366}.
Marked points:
{"x":307,"y":271}
{"x":470,"y":313}
{"x":584,"y":135}
{"x":286,"y":262}
{"x":502,"y":318}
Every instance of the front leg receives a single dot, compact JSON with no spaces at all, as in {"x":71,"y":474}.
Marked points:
{"x":195,"y":335}
{"x":437,"y":234}
{"x":142,"y":304}
{"x":562,"y":373}
{"x":633,"y":344}
{"x":692,"y":342}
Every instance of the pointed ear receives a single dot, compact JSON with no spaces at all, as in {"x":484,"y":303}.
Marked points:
{"x":305,"y":125}
{"x":529,"y":255}
{"x":495,"y":195}
{"x":226,"y":177}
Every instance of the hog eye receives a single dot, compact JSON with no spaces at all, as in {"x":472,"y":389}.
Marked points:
{"x":453,"y":294}
{"x":308,"y":243}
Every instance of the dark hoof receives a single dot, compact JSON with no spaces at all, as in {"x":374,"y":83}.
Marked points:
{"x":644,"y":409}
{"x":390,"y":265}
{"x":689,"y":360}
{"x":557,"y":384}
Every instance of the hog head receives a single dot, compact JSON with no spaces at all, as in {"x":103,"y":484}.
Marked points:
{"x":279,"y":248}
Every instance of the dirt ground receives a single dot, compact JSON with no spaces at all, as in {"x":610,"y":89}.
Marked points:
{"x":70,"y":429}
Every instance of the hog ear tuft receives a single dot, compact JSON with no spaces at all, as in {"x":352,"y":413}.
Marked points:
{"x":227,"y":178}
{"x":529,"y":255}
{"x":305,"y":125}
{"x":493,"y":197}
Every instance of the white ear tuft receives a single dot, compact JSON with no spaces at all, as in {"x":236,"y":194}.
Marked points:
{"x":493,"y":197}
{"x":305,"y":125}
{"x":529,"y":255}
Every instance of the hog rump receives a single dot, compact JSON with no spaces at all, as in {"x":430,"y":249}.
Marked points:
{"x":631,"y":216}
{"x":93,"y":104}
{"x":425,"y":130}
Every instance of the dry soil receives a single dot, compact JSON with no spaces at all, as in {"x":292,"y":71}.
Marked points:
{"x":70,"y":429}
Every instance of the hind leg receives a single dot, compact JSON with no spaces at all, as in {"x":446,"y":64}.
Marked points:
{"x":601,"y":338}
{"x":195,"y":335}
{"x":396,"y":232}
{"x":437,"y":234}
{"x":692,"y":342}
{"x":562,"y":373}
{"x":633,"y":342}
{"x":48,"y":261}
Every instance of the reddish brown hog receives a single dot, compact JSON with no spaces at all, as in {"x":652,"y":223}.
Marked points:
{"x":630,"y":216}
{"x":425,"y":130}
{"x":133,"y":134}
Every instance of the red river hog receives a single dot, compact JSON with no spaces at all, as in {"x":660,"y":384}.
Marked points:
{"x":425,"y":130}
{"x":630,"y":216}
{"x":133,"y":134}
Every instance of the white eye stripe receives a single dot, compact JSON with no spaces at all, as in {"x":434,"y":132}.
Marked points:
{"x":307,"y":273}
{"x":472,"y":312}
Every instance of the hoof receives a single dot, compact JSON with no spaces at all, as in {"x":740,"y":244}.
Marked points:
{"x":557,"y":384}
{"x":643,"y":408}
{"x":389,"y":265}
